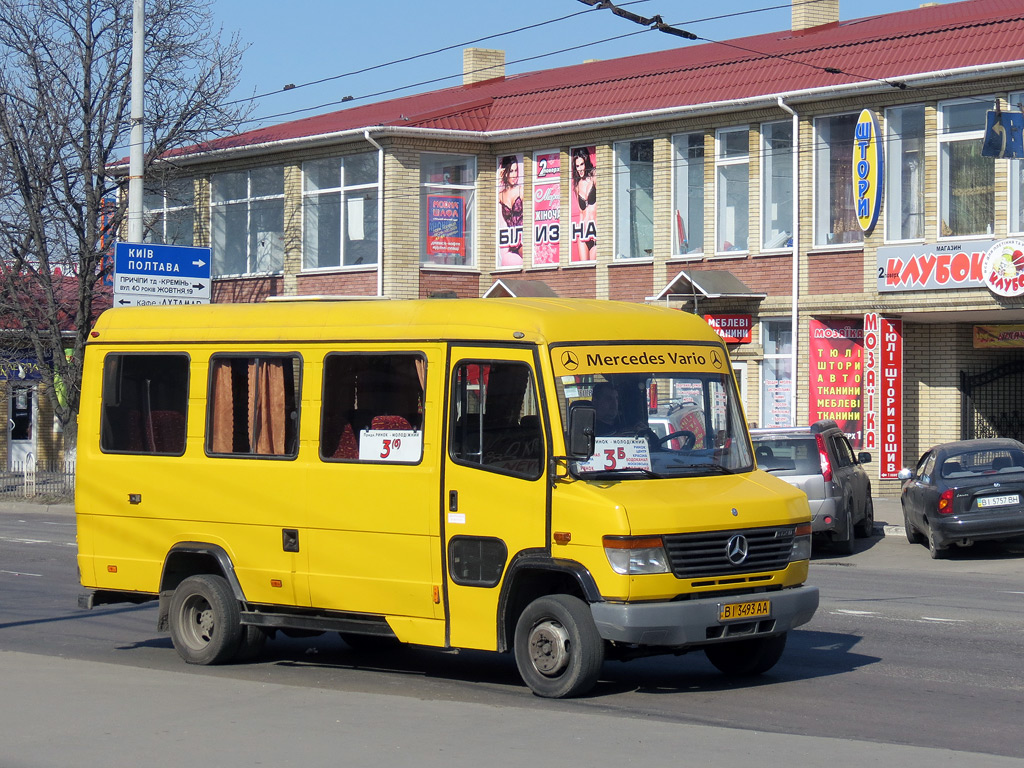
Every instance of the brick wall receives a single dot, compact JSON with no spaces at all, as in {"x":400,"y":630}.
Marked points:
{"x":338,"y":284}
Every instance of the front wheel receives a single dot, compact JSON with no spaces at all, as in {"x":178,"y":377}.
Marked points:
{"x":558,"y":650}
{"x":205,"y":620}
{"x":746,"y":658}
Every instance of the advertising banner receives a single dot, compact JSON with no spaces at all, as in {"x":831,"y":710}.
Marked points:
{"x":836,"y":356}
{"x":583,"y":204}
{"x":734,"y":329}
{"x":446,"y":241}
{"x":509,"y":211}
{"x":872,"y":343}
{"x":931,"y":266}
{"x":998,"y":336}
{"x":890,"y":417}
{"x":547,"y":207}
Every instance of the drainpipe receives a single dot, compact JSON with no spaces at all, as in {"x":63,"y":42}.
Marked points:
{"x":380,"y":215}
{"x":794,"y":324}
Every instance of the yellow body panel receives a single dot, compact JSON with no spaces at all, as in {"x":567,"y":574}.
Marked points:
{"x":373,"y":538}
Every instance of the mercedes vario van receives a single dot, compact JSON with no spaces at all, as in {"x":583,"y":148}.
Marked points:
{"x":462,"y":473}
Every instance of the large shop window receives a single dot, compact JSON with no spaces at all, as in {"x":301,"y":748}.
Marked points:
{"x":776,"y":185}
{"x":254,"y":405}
{"x":777,"y":373}
{"x":145,"y":403}
{"x":247,"y":221}
{"x":688,"y":193}
{"x":373,"y":407}
{"x":732,"y":173}
{"x":495,"y":419}
{"x":967,"y":196}
{"x":835,"y":211}
{"x":1016,"y":181}
{"x":904,"y":171}
{"x":169,"y":213}
{"x":634,"y":199}
{"x":340,"y":198}
{"x":447,"y":209}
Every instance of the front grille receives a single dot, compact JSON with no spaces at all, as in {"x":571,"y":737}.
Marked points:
{"x":700,"y":555}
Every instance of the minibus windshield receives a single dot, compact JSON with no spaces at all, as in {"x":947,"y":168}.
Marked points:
{"x":659,"y":424}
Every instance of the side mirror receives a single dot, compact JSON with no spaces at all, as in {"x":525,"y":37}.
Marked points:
{"x":904,"y":474}
{"x":864,"y":457}
{"x":582,"y":424}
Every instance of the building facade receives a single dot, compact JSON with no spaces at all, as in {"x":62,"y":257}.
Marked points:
{"x":819,"y":194}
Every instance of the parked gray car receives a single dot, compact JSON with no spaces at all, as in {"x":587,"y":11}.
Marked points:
{"x":820,"y":461}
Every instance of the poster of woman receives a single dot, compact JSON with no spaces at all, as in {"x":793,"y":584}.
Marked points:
{"x":583,"y":205}
{"x":510,"y":211}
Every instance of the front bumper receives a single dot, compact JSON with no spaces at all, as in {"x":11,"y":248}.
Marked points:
{"x":695,"y":622}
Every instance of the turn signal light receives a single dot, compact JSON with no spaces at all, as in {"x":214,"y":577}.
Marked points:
{"x":946,"y":502}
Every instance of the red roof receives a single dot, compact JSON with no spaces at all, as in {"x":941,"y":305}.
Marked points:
{"x":857,"y":52}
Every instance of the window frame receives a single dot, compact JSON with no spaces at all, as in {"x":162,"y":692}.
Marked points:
{"x":895,"y":174}
{"x":1015,"y":191}
{"x":250,"y":201}
{"x":468,"y":193}
{"x":107,"y":383}
{"x":168,"y":206}
{"x":723,"y":162}
{"x":824,"y":205}
{"x":345,"y":193}
{"x":945,"y":140}
{"x":768,"y":158}
{"x":786,"y":358}
{"x":682,"y":165}
{"x":627,"y":214}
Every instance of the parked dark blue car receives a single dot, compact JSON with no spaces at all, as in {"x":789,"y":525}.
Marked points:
{"x":963,"y":492}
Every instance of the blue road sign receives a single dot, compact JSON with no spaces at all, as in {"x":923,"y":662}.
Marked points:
{"x":162,"y":260}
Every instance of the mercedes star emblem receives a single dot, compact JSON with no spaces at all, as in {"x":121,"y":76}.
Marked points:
{"x":737,"y":549}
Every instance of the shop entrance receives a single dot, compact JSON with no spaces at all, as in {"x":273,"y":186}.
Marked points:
{"x":992,"y":402}
{"x":21,"y":427}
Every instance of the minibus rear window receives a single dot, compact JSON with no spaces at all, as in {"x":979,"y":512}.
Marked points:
{"x":145,"y":403}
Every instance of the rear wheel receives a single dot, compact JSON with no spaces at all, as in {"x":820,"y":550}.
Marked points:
{"x":746,"y":658}
{"x":843,"y":542}
{"x":557,"y":647}
{"x":866,"y":527}
{"x":937,"y":552}
{"x":913,"y":535}
{"x":205,"y":620}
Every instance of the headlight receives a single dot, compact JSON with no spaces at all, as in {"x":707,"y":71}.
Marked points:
{"x":801,"y":543}
{"x":630,"y":556}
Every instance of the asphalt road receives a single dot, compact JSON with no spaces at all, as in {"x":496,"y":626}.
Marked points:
{"x":909,"y":660}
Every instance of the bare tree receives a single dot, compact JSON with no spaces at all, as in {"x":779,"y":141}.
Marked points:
{"x":64,"y":124}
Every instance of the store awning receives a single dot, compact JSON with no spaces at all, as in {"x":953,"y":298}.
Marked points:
{"x":520,"y":289}
{"x":706,"y":284}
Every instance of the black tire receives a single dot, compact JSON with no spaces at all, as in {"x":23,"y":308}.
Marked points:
{"x":866,"y":527}
{"x":747,"y":658}
{"x":251,"y":642}
{"x":844,"y":545}
{"x":937,"y":552}
{"x":557,"y":648}
{"x":913,"y":535}
{"x":205,"y":620}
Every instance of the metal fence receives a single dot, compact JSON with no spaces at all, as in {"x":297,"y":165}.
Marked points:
{"x":52,"y":482}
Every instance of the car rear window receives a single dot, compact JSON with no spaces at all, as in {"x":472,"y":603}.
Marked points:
{"x":974,"y":463}
{"x":784,"y":456}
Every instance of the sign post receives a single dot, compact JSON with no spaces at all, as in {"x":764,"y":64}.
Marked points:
{"x":146,"y":274}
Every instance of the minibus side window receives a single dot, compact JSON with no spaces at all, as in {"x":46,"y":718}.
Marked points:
{"x":145,"y":404}
{"x":495,"y":418}
{"x":373,"y":407}
{"x":253,"y":406}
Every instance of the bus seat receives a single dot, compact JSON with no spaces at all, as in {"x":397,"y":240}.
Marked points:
{"x":348,"y":447}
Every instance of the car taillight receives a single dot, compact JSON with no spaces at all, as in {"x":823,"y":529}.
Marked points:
{"x":826,"y":465}
{"x":946,"y":502}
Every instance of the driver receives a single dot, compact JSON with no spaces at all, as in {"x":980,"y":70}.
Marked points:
{"x":606,"y":404}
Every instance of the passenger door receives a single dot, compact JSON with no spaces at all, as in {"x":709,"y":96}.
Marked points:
{"x":495,"y":493}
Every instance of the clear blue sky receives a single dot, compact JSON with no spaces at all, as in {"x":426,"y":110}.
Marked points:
{"x":303,"y":41}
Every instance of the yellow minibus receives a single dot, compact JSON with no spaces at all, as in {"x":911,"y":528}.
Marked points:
{"x":450,"y":473}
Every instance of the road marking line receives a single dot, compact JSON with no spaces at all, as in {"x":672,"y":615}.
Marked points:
{"x":19,"y":573}
{"x":855,"y":613}
{"x":948,"y":621}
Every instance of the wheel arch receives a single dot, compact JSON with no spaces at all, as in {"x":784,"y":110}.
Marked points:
{"x":535,"y":574}
{"x":192,"y":558}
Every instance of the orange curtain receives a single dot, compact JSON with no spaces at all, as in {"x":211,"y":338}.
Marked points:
{"x":269,"y":412}
{"x":222,"y":427}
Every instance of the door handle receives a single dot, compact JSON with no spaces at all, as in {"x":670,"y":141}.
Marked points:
{"x":453,"y":501}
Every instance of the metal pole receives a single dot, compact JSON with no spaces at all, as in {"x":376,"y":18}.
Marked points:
{"x":135,"y":157}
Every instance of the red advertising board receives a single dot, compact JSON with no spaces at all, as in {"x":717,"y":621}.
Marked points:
{"x":890,"y":397}
{"x":734,"y":329}
{"x":836,"y":374}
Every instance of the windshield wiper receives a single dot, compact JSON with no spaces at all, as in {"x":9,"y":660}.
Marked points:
{"x":606,"y":473}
